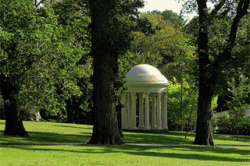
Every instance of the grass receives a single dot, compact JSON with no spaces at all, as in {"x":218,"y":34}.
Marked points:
{"x":84,"y":154}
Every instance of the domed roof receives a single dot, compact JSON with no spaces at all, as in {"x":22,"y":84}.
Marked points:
{"x":145,"y":74}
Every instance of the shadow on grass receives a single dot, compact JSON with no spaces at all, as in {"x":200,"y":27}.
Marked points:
{"x":178,"y":153}
{"x":46,"y":137}
{"x":189,"y":156}
{"x":242,"y":138}
{"x":191,"y":148}
{"x":90,"y":127}
{"x":168,"y":138}
{"x":174,"y":137}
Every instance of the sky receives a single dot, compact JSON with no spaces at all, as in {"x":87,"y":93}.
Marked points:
{"x":162,"y":5}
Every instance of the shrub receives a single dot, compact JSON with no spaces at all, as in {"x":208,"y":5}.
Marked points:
{"x":224,"y":124}
{"x":245,"y":127}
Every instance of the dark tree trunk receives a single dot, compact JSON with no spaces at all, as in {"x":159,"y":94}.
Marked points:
{"x":73,"y":109}
{"x":204,"y":112}
{"x":105,"y":129}
{"x":204,"y":128}
{"x":14,"y":125}
{"x":70,"y":116}
{"x":76,"y":115}
{"x":70,"y":111}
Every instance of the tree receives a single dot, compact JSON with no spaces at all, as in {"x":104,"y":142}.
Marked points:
{"x":182,"y":114}
{"x":165,"y":49}
{"x":75,"y":14}
{"x":173,"y":18}
{"x":35,"y":55}
{"x":109,"y":39}
{"x":186,"y":115}
{"x":218,"y":33}
{"x":211,"y":65}
{"x":237,"y":105}
{"x":10,"y":21}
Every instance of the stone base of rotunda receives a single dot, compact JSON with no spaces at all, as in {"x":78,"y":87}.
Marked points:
{"x":146,"y":131}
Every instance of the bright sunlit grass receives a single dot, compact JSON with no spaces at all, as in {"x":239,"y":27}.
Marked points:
{"x":83,"y":154}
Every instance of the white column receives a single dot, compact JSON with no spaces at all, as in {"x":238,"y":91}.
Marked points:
{"x":129,"y":111}
{"x":154,"y":112}
{"x":164,"y":122}
{"x":159,"y":111}
{"x":133,"y":111}
{"x":140,"y":111}
{"x":146,"y":111}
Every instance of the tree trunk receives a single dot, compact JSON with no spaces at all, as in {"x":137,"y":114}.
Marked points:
{"x":14,"y":125}
{"x":76,"y":116}
{"x":206,"y":82}
{"x":70,"y":110}
{"x":105,"y":129}
{"x":70,"y":115}
{"x":204,"y":126}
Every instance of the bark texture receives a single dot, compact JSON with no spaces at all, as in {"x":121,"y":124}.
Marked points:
{"x":105,"y":129}
{"x":14,"y":125}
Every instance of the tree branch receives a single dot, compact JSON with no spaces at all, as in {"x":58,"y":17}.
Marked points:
{"x":215,"y":10}
{"x":241,"y":12}
{"x":226,"y":54}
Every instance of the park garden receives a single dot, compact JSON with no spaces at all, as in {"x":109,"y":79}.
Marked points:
{"x":67,"y":60}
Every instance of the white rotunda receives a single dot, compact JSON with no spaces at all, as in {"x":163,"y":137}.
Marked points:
{"x":145,"y":100}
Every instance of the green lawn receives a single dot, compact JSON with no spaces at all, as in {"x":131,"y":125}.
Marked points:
{"x":82,"y":154}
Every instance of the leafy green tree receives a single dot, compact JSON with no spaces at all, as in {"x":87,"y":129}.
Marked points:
{"x":218,"y":34}
{"x":212,"y":64}
{"x":173,"y":18}
{"x":165,"y":49}
{"x":35,"y":54}
{"x":184,"y":113}
{"x":237,"y":105}
{"x":75,"y":14}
